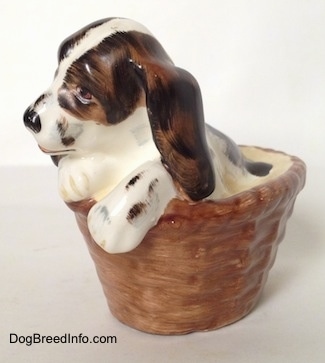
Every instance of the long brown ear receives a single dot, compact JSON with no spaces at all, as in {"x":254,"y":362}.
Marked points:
{"x":175,"y":111}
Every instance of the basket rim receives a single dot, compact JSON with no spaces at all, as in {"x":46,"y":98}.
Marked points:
{"x":271,"y":192}
{"x":286,"y":185}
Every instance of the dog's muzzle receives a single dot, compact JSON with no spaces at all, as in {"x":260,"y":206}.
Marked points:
{"x":32,"y":120}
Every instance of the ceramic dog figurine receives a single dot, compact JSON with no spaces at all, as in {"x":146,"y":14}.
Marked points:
{"x":126,"y":128}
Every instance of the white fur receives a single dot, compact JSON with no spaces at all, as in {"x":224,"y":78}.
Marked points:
{"x":107,"y":155}
{"x":107,"y":220}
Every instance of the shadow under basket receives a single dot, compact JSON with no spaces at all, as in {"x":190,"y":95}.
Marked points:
{"x":203,"y":266}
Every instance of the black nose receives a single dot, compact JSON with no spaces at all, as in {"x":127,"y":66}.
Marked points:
{"x":32,"y":120}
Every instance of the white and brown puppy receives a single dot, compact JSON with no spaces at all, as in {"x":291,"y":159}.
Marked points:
{"x":126,"y":128}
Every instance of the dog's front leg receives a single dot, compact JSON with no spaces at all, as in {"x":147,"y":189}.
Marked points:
{"x":119,"y":222}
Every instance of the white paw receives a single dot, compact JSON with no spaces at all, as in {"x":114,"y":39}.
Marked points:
{"x":119,"y":222}
{"x":81,"y":178}
{"x":73,"y":186}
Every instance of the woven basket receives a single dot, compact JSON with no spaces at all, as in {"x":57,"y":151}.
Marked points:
{"x":202,"y":266}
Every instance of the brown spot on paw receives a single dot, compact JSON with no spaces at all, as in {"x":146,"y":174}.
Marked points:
{"x":135,"y":211}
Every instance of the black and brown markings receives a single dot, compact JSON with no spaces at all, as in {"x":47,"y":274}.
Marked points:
{"x":136,"y":210}
{"x":151,"y":187}
{"x":173,"y":101}
{"x":176,"y":116}
{"x":133,"y":181}
{"x":107,"y":71}
{"x":62,"y":127}
{"x":141,"y":207}
{"x":68,"y":44}
{"x":40,"y":100}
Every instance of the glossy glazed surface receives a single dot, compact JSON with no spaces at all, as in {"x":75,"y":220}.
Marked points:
{"x":202,"y":266}
{"x":117,"y":105}
{"x":137,"y":163}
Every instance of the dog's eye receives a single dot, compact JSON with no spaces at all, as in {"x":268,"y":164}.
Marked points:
{"x":84,"y":95}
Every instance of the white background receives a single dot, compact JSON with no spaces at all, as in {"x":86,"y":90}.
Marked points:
{"x":261,"y":68}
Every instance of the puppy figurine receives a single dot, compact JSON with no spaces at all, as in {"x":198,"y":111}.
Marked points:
{"x":126,"y":128}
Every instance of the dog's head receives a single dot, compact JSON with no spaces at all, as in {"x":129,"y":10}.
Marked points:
{"x":107,"y":71}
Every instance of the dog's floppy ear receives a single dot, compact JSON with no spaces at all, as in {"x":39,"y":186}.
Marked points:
{"x":175,"y":111}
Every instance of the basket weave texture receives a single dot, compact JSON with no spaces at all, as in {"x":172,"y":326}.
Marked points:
{"x":202,"y":266}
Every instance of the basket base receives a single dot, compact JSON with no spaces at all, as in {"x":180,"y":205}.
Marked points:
{"x":202,"y":266}
{"x":164,"y":289}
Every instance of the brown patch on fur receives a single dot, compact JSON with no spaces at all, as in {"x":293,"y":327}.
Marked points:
{"x":117,"y":72}
{"x":151,"y":187}
{"x":68,"y":100}
{"x":62,"y":126}
{"x":68,"y":141}
{"x":176,"y":114}
{"x":135,"y":211}
{"x":109,"y":72}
